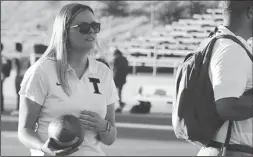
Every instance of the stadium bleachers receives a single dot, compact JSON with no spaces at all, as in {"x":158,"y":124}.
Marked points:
{"x":169,"y":42}
{"x":178,"y":39}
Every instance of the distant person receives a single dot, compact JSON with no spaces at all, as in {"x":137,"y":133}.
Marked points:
{"x":6,"y":67}
{"x":68,"y":80}
{"x":22,"y":63}
{"x":231,"y":75}
{"x":39,"y":50}
{"x":120,"y":68}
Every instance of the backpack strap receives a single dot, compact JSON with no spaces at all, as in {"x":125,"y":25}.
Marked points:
{"x":238,"y":42}
{"x":228,"y":136}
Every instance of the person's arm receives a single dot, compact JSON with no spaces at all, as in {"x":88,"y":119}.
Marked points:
{"x":230,"y":68}
{"x":93,"y":121}
{"x":235,"y":108}
{"x":108,"y":138}
{"x":33,"y":91}
{"x":28,"y":115}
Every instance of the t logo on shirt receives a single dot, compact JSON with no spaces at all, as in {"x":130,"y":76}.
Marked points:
{"x":95,"y":82}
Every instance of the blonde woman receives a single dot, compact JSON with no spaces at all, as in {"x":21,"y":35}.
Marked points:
{"x":66,"y":79}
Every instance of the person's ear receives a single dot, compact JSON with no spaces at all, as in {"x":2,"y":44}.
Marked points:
{"x":249,"y":13}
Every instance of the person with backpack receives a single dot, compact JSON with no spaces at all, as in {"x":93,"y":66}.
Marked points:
{"x":120,"y":69}
{"x":212,"y":103}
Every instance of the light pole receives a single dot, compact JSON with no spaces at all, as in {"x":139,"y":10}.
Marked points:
{"x":152,"y":27}
{"x":152,"y":15}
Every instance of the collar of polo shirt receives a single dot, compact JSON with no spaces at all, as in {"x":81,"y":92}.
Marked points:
{"x":92,"y":68}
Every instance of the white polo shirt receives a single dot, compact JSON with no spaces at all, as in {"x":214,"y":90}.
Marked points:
{"x":231,"y":74}
{"x":40,"y":85}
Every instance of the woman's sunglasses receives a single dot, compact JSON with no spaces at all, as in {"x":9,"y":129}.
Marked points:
{"x":85,"y":28}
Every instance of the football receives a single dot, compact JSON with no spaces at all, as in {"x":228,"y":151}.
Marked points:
{"x":67,"y":131}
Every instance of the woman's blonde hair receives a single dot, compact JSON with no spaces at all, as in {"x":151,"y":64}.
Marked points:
{"x":58,"y":46}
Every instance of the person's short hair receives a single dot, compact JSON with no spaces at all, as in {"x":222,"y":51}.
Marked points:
{"x":19,"y":47}
{"x":117,"y":52}
{"x":236,"y":7}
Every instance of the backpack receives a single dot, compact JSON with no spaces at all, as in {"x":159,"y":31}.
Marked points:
{"x":143,"y":107}
{"x":194,"y":115}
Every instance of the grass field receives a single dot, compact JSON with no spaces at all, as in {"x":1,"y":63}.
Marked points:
{"x":122,"y":147}
{"x":128,"y":94}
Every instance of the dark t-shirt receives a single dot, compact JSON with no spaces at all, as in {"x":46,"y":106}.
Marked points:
{"x":120,"y":68}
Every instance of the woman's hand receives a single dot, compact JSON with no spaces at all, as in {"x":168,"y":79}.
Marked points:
{"x":93,"y":121}
{"x":48,"y":149}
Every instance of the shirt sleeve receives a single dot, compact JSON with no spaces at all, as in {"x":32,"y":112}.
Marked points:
{"x":229,"y":68}
{"x":34,"y":85}
{"x":111,"y":96}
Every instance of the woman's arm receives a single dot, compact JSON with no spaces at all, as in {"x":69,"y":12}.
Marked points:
{"x":93,"y":121}
{"x":109,"y":137}
{"x":28,"y":115}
